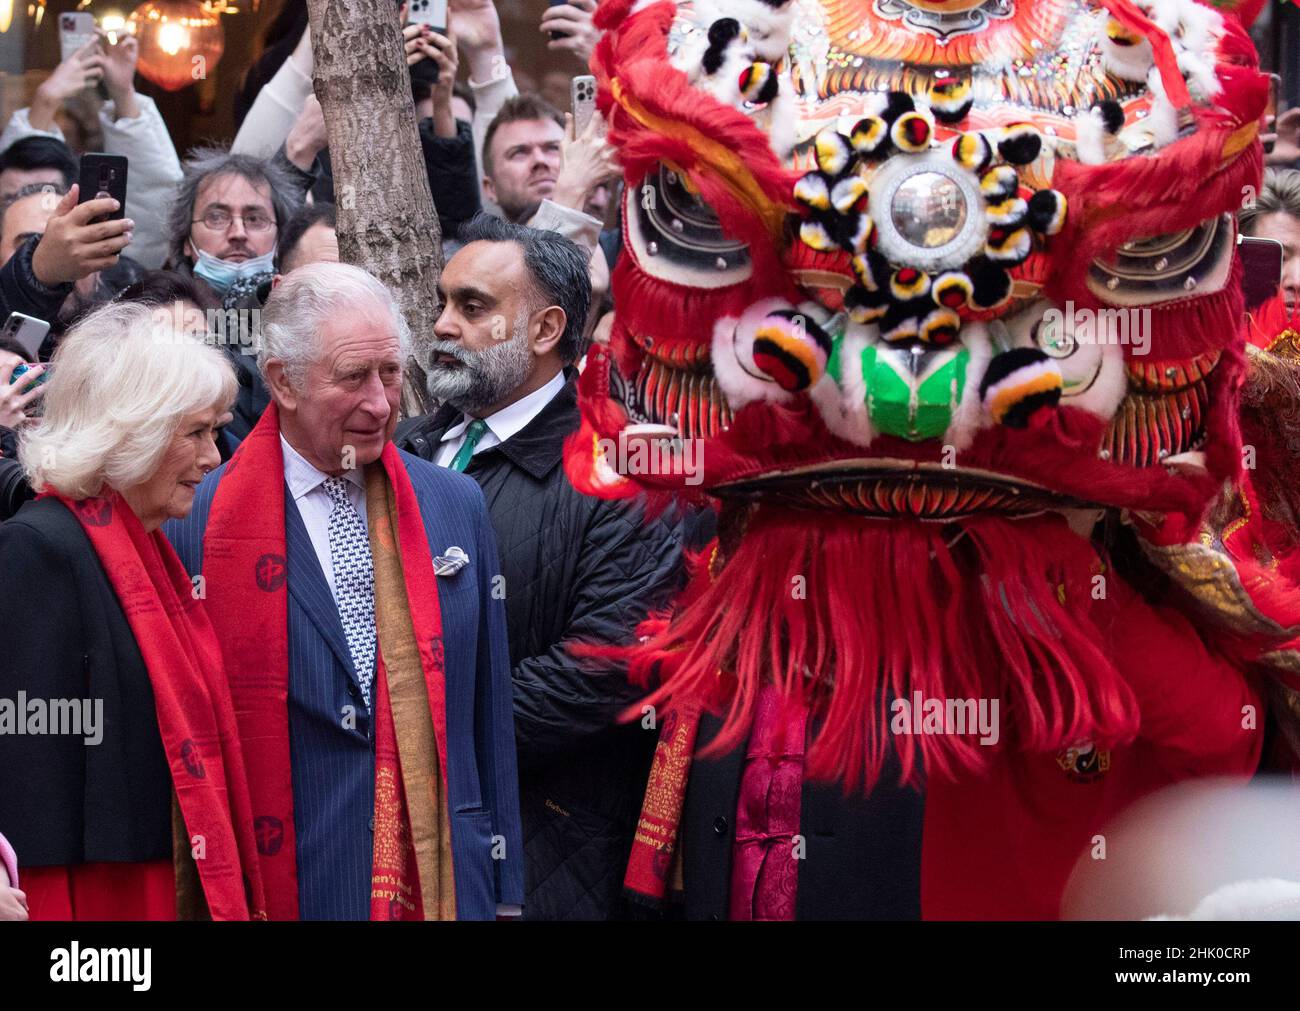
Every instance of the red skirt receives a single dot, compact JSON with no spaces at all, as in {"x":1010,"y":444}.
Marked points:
{"x":104,"y":891}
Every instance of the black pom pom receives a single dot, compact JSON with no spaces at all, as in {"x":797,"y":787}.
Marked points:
{"x":865,"y":306}
{"x":721,"y":34}
{"x":897,"y":103}
{"x":1112,"y":115}
{"x":1020,"y":145}
{"x":992,"y":284}
{"x":1020,"y":384}
{"x":912,"y":308}
{"x":1002,"y":365}
{"x":1047,"y":212}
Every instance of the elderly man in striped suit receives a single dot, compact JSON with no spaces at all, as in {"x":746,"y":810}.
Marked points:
{"x":356,"y":593}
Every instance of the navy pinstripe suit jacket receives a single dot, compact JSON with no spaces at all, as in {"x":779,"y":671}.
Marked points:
{"x":333,"y":766}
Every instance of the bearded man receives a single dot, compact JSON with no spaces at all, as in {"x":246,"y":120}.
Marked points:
{"x":577,"y":569}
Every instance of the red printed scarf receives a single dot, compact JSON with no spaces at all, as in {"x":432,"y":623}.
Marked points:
{"x":195,"y":715}
{"x":245,"y":568}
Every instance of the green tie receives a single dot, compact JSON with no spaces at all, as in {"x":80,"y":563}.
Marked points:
{"x":472,"y":435}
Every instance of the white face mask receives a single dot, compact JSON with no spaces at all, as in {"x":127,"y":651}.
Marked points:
{"x":221,"y":274}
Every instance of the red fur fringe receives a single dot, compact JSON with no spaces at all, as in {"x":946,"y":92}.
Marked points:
{"x":976,"y":617}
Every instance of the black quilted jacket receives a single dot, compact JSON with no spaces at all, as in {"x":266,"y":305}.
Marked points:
{"x":576,"y":569}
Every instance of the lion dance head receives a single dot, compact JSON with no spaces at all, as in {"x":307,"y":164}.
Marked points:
{"x":913,"y":292}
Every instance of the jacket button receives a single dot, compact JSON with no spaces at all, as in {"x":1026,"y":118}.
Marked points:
{"x":370,"y":824}
{"x":720,"y":825}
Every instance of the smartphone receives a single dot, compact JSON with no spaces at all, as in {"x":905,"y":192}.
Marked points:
{"x":558,"y":35}
{"x":428,"y":12}
{"x":76,"y":29}
{"x":27,"y":332}
{"x":583,"y":92}
{"x":1273,"y":109}
{"x":103,"y":175}
{"x":22,"y":370}
{"x":1261,"y":262}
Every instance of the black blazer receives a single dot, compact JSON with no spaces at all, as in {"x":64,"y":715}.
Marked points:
{"x":578,"y":569}
{"x":63,"y":801}
{"x":862,"y":855}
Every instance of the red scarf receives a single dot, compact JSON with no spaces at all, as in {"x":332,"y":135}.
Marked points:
{"x":195,"y":715}
{"x":244,"y":562}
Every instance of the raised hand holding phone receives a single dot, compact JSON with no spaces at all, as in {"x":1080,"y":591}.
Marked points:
{"x":82,"y":69}
{"x":74,"y":244}
{"x":17,"y":397}
{"x":120,"y":60}
{"x":569,"y":25}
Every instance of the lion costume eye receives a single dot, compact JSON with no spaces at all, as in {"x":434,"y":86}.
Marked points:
{"x":1053,"y":339}
{"x":1092,"y":370}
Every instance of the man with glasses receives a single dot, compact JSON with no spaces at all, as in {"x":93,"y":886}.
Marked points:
{"x":224,"y":226}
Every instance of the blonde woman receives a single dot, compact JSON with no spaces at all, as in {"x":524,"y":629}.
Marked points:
{"x":123,"y":790}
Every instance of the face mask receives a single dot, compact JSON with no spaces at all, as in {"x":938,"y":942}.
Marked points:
{"x":221,"y":274}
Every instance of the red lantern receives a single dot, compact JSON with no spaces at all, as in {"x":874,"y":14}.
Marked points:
{"x":180,"y":41}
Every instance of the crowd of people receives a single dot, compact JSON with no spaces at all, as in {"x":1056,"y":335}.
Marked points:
{"x":335,"y":679}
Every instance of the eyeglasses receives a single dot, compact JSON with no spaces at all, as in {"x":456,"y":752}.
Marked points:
{"x":219,"y":220}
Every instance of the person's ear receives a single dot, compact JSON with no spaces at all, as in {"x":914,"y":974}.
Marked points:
{"x":188,"y":249}
{"x":275,"y":281}
{"x":277,"y":379}
{"x":547,"y":329}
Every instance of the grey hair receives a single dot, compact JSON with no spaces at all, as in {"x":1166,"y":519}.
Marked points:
{"x":206,"y":163}
{"x":1280,"y":193}
{"x":560,"y":273}
{"x":120,"y":383}
{"x":304,"y":299}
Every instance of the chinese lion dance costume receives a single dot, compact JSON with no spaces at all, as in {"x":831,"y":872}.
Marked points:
{"x":858,"y":239}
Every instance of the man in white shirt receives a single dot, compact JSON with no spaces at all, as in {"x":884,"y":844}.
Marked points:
{"x":314,"y":635}
{"x":577,"y":569}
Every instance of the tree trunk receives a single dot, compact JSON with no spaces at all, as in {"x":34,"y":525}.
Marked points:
{"x":386,"y":219}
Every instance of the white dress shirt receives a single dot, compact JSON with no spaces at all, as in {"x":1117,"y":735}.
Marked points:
{"x":305,"y":485}
{"x":502,"y":425}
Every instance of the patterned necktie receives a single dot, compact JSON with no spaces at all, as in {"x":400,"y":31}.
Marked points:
{"x":472,"y":435}
{"x":354,"y":581}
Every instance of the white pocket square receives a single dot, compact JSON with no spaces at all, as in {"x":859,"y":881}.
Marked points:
{"x":450,"y":562}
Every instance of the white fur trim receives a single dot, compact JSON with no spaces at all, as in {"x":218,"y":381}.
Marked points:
{"x":847,"y":415}
{"x":1162,"y":122}
{"x":1128,"y":63}
{"x":1090,"y":137}
{"x":969,"y":416}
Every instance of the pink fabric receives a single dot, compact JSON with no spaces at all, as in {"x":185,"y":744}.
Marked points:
{"x":10,"y":861}
{"x":764,"y":860}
